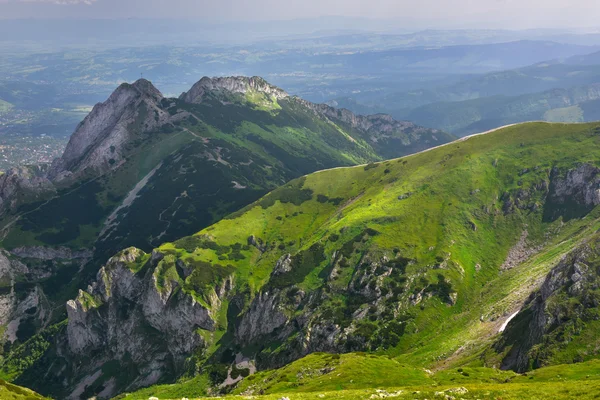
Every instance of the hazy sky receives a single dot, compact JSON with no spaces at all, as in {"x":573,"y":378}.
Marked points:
{"x":456,"y":13}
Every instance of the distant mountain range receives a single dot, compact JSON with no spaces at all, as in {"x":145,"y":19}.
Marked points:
{"x":558,"y":90}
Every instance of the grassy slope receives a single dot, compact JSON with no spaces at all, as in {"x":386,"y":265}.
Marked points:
{"x":359,"y":376}
{"x":453,"y":190}
{"x":9,"y":391}
{"x":451,"y":186}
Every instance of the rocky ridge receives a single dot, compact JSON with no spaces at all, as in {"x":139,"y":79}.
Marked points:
{"x":232,"y":84}
{"x":99,"y":150}
{"x":122,"y":304}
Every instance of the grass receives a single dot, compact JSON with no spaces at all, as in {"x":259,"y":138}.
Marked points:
{"x":360,"y":376}
{"x":9,"y":391}
{"x":196,"y":387}
{"x":405,"y":258}
{"x":451,"y":188}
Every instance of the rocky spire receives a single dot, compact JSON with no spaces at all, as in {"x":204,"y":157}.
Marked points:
{"x":100,"y":136}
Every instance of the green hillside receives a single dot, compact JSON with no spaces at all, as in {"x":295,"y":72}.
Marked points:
{"x":9,"y":391}
{"x":422,"y":258}
{"x":143,"y":169}
{"x":360,"y":376}
{"x":444,"y":220}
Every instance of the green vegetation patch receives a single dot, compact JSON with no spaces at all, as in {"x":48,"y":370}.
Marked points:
{"x":301,"y":265}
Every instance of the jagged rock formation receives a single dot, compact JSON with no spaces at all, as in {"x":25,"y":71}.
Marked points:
{"x":19,"y":310}
{"x":378,"y":129}
{"x":23,"y":184}
{"x":97,"y":143}
{"x":573,"y":194}
{"x":137,"y":315}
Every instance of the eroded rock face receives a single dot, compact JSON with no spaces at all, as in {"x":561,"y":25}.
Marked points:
{"x":128,"y":317}
{"x":16,"y":308}
{"x":99,"y":138}
{"x":28,"y":182}
{"x":565,"y":300}
{"x":94,"y":147}
{"x":377,"y":128}
{"x":582,"y":182}
{"x":303,"y":322}
{"x":573,"y":193}
{"x":265,"y":316}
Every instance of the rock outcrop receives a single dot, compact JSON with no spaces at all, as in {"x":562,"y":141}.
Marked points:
{"x":22,"y":184}
{"x":565,"y":302}
{"x":137,"y":318}
{"x":573,"y":193}
{"x":97,"y":143}
{"x":19,"y":309}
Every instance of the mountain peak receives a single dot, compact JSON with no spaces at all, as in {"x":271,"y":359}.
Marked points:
{"x":143,"y":86}
{"x":232,"y":84}
{"x":101,"y":134}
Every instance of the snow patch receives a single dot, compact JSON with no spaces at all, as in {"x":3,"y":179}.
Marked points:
{"x":505,"y":324}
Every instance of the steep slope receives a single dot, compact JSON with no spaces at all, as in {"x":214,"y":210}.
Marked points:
{"x":559,"y":322}
{"x":14,"y":392}
{"x":142,"y":169}
{"x":240,"y":141}
{"x":381,"y":257}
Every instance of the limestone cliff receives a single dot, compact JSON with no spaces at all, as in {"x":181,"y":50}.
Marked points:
{"x":136,"y":314}
{"x":97,"y":143}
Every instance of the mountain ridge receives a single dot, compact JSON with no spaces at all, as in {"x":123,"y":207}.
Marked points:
{"x":378,"y":257}
{"x":143,"y":169}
